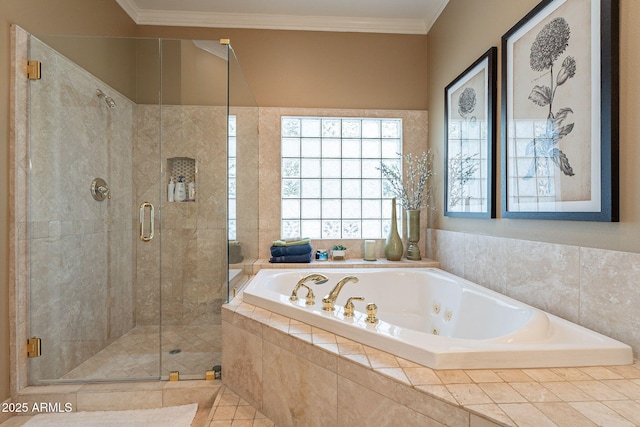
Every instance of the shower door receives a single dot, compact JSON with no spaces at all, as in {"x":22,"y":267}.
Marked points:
{"x":123,"y":283}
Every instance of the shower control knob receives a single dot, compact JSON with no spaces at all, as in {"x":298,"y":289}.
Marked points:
{"x":100,"y":189}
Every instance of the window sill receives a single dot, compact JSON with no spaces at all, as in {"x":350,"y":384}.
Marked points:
{"x":348,"y":263}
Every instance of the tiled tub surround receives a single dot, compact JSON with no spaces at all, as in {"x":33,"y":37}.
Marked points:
{"x":300,"y":375}
{"x":436,"y":319}
{"x":595,"y":288}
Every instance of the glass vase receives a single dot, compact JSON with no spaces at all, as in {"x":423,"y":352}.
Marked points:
{"x":393,"y":246}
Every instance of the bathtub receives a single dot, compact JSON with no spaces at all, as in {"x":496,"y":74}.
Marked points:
{"x":439,"y":320}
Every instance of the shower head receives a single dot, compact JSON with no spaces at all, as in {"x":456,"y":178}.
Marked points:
{"x":110,"y":102}
{"x":107,"y":99}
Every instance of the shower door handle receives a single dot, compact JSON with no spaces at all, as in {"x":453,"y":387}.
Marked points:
{"x":143,"y":210}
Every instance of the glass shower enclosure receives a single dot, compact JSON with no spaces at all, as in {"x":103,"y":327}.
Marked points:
{"x":141,"y":171}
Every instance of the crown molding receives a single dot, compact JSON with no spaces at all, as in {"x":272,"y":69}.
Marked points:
{"x":130,"y":8}
{"x":436,"y":15}
{"x":272,"y":22}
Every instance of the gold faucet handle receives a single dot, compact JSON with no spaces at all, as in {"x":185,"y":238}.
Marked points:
{"x":311,"y":297}
{"x":350,"y":307}
{"x":372,"y":310}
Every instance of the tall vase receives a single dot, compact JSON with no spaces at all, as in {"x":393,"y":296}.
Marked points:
{"x":393,"y":246}
{"x":413,"y":232}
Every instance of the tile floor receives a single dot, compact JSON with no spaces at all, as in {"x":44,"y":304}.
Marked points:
{"x":229,"y":410}
{"x":135,"y":354}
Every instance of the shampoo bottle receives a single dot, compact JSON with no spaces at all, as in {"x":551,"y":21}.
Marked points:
{"x":192,"y":191}
{"x":181,"y":191}
{"x":171,"y":190}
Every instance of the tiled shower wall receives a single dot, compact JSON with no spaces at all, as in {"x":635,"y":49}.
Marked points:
{"x":595,"y":288}
{"x":194,"y":256}
{"x":81,"y":277}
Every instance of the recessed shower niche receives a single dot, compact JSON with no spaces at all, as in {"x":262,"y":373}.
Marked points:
{"x":182,"y":172}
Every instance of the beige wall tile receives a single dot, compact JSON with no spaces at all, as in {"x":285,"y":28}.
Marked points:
{"x":313,"y":400}
{"x":492,"y":410}
{"x":484,"y":261}
{"x":242,"y":359}
{"x":609,"y":298}
{"x":592,"y":287}
{"x":555,"y":289}
{"x":448,"y":248}
{"x":433,"y":407}
{"x":119,"y":400}
{"x":184,"y":392}
{"x":477,"y":421}
{"x":359,"y":406}
{"x":301,"y":347}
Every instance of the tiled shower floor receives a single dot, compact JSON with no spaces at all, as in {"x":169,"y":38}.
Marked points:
{"x":135,"y":355}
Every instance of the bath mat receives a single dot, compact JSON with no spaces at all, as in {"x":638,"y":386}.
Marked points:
{"x":171,"y":416}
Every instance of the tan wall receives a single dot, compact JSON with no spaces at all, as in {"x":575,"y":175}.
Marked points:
{"x":324,"y":70}
{"x":472,"y":27}
{"x":39,"y":17}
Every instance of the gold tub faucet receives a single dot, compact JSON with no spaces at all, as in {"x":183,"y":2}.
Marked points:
{"x":329,"y":301}
{"x":313,"y":277}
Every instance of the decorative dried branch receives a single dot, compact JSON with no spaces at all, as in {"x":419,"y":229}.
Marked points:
{"x":415,"y":192}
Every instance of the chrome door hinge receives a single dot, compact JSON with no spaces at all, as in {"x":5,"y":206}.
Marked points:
{"x":34,"y":348}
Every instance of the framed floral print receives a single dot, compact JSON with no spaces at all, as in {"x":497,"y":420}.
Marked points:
{"x":560,"y":112}
{"x":470,"y":139}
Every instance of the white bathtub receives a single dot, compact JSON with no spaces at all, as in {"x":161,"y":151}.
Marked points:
{"x":439,"y":320}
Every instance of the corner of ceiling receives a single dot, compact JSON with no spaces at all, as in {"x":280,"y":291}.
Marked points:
{"x":130,"y":8}
{"x":434,"y":16}
{"x":280,"y":22}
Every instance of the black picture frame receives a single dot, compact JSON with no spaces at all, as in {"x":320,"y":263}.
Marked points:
{"x":563,"y":166}
{"x":470,"y":140}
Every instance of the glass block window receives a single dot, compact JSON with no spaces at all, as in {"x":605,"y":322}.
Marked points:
{"x":332,"y":187}
{"x":232,"y":177}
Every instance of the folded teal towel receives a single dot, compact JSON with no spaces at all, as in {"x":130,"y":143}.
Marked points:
{"x":291,"y":242}
{"x":291,"y":258}
{"x":291,"y":250}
